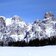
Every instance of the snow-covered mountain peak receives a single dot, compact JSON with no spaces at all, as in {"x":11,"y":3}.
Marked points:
{"x":48,"y":15}
{"x":16,"y":18}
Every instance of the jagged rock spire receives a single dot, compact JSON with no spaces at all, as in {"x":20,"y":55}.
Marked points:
{"x":48,"y":14}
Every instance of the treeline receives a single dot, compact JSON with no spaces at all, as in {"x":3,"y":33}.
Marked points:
{"x":35,"y":42}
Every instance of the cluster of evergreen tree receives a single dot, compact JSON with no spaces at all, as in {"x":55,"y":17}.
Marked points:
{"x":35,"y":42}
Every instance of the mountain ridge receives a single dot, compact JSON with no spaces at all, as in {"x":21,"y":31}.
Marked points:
{"x":15,"y":29}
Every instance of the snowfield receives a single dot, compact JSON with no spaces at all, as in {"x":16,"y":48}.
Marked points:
{"x":28,"y":51}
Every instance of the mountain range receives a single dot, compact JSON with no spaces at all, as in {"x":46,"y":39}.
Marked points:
{"x":14,"y":29}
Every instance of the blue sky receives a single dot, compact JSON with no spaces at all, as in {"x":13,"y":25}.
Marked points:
{"x":29,"y":10}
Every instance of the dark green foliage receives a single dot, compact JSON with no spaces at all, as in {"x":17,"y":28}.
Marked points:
{"x":18,"y":43}
{"x":35,"y":42}
{"x":1,"y":43}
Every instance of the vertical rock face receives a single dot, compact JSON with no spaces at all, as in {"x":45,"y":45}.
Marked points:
{"x":2,"y":21}
{"x":2,"y":24}
{"x":2,"y":27}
